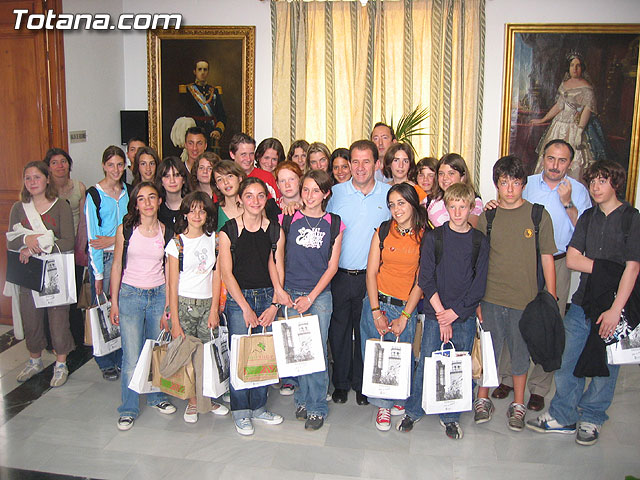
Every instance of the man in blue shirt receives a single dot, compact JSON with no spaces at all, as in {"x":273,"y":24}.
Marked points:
{"x":565,"y":199}
{"x":362,"y":204}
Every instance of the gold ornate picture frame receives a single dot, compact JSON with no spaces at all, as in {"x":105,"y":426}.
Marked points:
{"x":536,"y":66}
{"x":171,"y":59}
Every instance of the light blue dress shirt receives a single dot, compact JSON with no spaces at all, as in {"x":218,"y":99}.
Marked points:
{"x":537,"y":191}
{"x":361,"y":214}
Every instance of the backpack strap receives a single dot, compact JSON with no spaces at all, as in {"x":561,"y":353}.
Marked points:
{"x":334,"y":231}
{"x":383,"y":232}
{"x":627,"y":219}
{"x":286,"y":224}
{"x":274,"y":235}
{"x":536,"y":218}
{"x":95,"y":196}
{"x":438,"y":233}
{"x":180,"y":246}
{"x":232,"y":232}
{"x":490,"y":215}
{"x":126,"y":233}
{"x":476,"y":240}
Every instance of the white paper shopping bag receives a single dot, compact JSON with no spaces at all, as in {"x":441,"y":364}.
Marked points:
{"x":447,"y":386}
{"x":141,"y":379}
{"x":489,"y":368}
{"x":215,"y":375}
{"x":59,"y":281}
{"x":387,"y":369}
{"x":298,"y":345}
{"x":104,"y":335}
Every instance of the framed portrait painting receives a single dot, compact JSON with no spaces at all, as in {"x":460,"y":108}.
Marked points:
{"x":576,"y":82}
{"x":204,"y":77}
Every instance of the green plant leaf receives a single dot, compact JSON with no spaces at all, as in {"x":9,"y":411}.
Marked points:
{"x":409,"y":125}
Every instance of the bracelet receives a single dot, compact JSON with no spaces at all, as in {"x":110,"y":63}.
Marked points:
{"x":374,"y":309}
{"x":310,"y":302}
{"x":406,"y":315}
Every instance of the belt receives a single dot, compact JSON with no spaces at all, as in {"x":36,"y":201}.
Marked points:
{"x":352,"y":272}
{"x":392,"y":300}
{"x":560,"y":256}
{"x":194,"y":301}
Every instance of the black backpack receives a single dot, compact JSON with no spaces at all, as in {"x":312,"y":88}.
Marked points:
{"x":476,"y":241}
{"x":334,"y":230}
{"x":128,"y":231}
{"x":95,"y":196}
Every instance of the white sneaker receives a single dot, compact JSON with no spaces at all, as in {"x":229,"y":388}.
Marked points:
{"x":191,"y":413}
{"x":125,"y":422}
{"x":218,"y":408}
{"x":30,"y":369}
{"x":226,"y":397}
{"x":244,"y":426}
{"x":397,"y":410}
{"x":60,"y":375}
{"x":269,"y":418}
{"x":383,"y":419}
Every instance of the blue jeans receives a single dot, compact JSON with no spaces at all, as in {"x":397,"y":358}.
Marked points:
{"x":572,"y":403}
{"x":311,"y":391}
{"x":113,"y":359}
{"x":462,"y":339}
{"x":140,"y":312}
{"x":368,"y":330}
{"x":251,"y":401}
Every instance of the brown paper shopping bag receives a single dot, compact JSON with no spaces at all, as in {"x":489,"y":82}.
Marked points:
{"x":181,"y":384}
{"x":257,"y":358}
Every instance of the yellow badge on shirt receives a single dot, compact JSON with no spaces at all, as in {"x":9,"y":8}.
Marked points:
{"x":528,"y":233}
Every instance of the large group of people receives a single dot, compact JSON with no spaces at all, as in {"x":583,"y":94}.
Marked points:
{"x":366,"y":238}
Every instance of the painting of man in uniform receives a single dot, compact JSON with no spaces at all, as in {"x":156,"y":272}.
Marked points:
{"x":201,"y":85}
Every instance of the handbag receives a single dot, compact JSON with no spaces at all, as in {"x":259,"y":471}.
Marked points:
{"x":236,"y":381}
{"x":29,"y":275}
{"x":141,"y":381}
{"x":257,"y":357}
{"x":84,"y":299}
{"x":387,"y":369}
{"x":215,"y":375}
{"x":104,"y":335}
{"x":626,"y":351}
{"x":59,"y":281}
{"x":447,"y":383}
{"x":298,"y":345}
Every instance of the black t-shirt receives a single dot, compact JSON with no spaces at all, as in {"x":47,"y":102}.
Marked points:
{"x":600,"y":236}
{"x":251,"y":258}
{"x":167,"y":216}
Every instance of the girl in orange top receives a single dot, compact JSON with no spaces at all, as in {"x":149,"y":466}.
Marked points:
{"x":388,"y":309}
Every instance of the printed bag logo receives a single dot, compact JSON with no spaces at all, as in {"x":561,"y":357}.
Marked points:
{"x":176,"y":387}
{"x":260,"y":369}
{"x":259,"y":347}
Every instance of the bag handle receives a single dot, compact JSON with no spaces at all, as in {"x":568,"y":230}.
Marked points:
{"x":452,"y":349}
{"x":98,"y":298}
{"x":164,"y":336}
{"x":393,"y":341}
{"x":264,"y":330}
{"x":286,"y":315}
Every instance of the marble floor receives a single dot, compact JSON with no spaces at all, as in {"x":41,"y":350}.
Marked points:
{"x":71,"y":431}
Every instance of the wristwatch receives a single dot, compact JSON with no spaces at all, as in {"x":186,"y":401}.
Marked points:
{"x":277,"y":305}
{"x":569,"y":205}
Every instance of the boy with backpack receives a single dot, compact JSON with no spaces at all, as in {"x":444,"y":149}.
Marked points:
{"x":452,"y":275}
{"x":512,"y":280}
{"x":605,"y":248}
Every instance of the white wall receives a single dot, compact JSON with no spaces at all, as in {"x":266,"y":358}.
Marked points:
{"x":501,"y":12}
{"x":94,"y":88}
{"x":204,"y":12}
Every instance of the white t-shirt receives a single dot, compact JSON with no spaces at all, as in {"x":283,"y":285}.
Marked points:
{"x":199,"y":258}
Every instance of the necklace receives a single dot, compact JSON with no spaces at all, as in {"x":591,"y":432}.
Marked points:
{"x":152,"y":228}
{"x":244,"y":224}
{"x":404,"y":231}
{"x":306,"y":219}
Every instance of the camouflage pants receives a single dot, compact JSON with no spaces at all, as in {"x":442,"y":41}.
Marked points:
{"x":193,"y":316}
